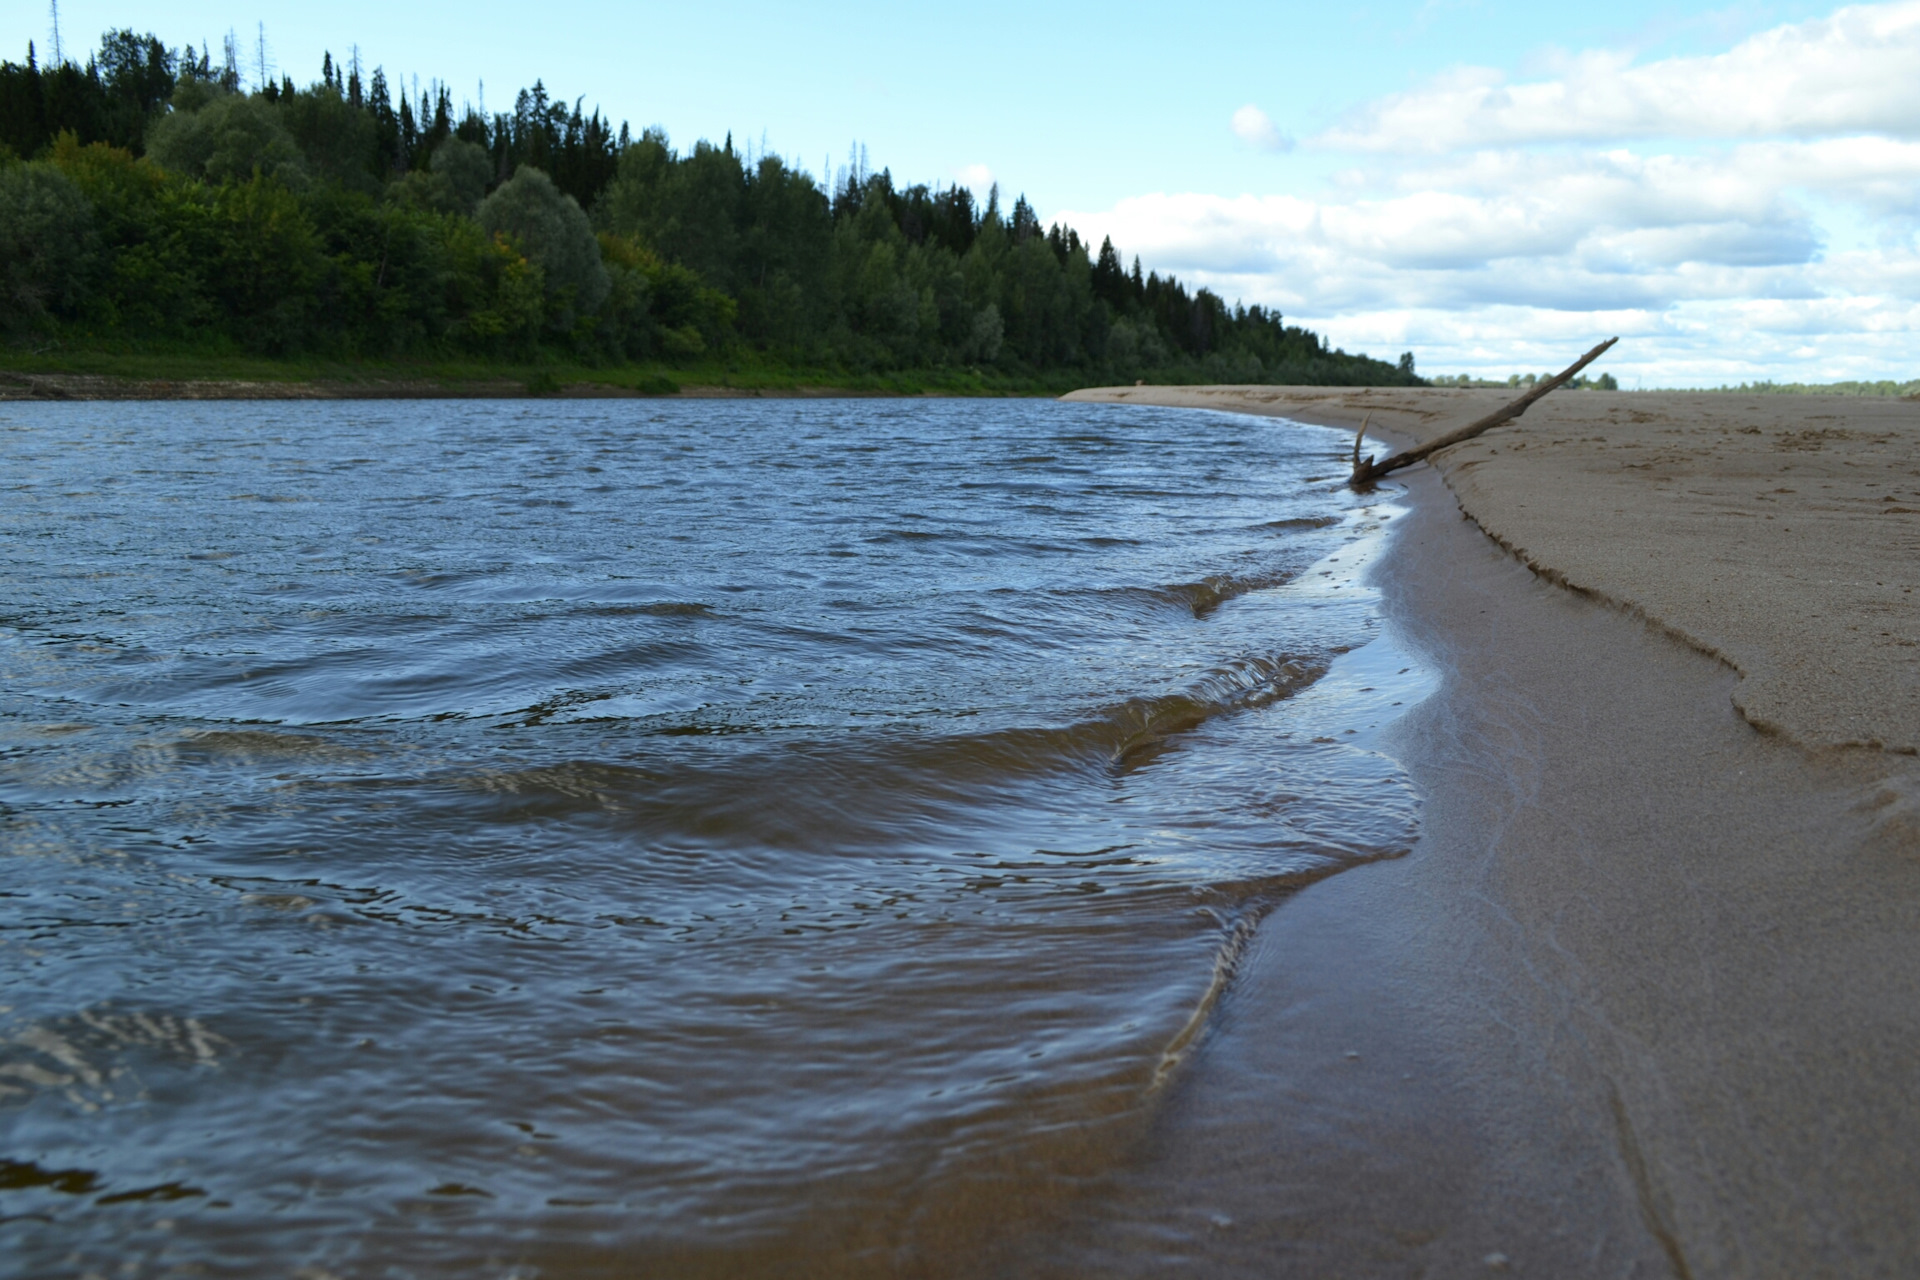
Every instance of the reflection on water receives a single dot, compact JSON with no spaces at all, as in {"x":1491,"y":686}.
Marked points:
{"x":565,"y":839}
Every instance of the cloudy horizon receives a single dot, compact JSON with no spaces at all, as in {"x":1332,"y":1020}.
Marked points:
{"x":1744,"y":215}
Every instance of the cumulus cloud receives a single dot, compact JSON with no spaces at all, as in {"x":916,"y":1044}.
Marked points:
{"x":1754,"y":213}
{"x":1452,"y":253}
{"x":1852,"y":72}
{"x":977,"y":177}
{"x":1553,"y":246}
{"x":1694,"y":344}
{"x":1253,"y":127}
{"x":1677,"y":224}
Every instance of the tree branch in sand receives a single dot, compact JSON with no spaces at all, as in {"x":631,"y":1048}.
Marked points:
{"x":1366,"y":471}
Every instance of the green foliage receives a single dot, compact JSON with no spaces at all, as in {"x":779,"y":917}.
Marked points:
{"x":229,"y":139}
{"x":498,"y":297}
{"x":550,"y":229}
{"x":46,"y":244}
{"x":463,"y":167}
{"x":1885,"y":388}
{"x":112,"y":99}
{"x":337,"y":140}
{"x":688,"y":210}
{"x":163,"y":205}
{"x":264,"y":259}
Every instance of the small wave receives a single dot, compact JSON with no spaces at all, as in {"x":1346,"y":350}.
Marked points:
{"x":909,"y":535}
{"x":869,"y":789}
{"x":1241,"y":685}
{"x":1210,"y":592}
{"x":255,"y":746}
{"x":1226,"y":964}
{"x":657,"y":609}
{"x":1200,"y":598}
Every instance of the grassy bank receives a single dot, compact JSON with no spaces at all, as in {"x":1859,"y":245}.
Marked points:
{"x":154,"y":369}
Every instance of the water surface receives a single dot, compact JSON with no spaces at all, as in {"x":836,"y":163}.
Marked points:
{"x":551,"y":839}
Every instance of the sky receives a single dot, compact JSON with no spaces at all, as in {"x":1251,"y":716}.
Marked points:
{"x":1734,"y":190}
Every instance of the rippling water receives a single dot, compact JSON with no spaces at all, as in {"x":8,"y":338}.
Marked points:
{"x":548,"y":838}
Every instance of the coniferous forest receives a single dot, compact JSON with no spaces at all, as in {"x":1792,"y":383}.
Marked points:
{"x":152,"y":201}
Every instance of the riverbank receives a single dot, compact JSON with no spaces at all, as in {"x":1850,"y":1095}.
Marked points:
{"x":1776,"y":534}
{"x":95,"y":387}
{"x":88,"y":386}
{"x":1646,"y":997}
{"x":94,"y":375}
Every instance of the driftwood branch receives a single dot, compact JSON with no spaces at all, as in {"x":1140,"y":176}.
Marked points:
{"x":1366,"y":471}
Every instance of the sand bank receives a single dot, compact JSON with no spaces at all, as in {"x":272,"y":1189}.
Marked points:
{"x":1646,"y":998}
{"x":1778,"y":533}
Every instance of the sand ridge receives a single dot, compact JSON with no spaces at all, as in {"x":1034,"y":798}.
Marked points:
{"x":1778,"y":533}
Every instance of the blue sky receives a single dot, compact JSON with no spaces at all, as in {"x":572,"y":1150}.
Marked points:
{"x":1487,"y":184}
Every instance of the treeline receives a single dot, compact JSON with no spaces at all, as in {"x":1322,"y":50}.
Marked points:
{"x":149,"y":195}
{"x":1584,"y":382}
{"x":1887,"y":388}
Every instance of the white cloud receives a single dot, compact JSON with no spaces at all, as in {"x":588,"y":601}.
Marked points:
{"x":1750,"y":214}
{"x":1689,"y":224}
{"x":1253,"y":127}
{"x":1744,"y":215}
{"x":1516,"y":249}
{"x":1694,"y":344}
{"x":1857,"y":71}
{"x":975,"y":177}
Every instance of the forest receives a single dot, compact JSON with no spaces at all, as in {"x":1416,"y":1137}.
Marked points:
{"x":153,"y":200}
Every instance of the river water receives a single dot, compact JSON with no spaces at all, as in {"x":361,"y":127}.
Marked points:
{"x":611,"y":838}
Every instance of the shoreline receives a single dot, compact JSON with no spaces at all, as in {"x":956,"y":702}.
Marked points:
{"x":1681,"y":508}
{"x":88,"y":387}
{"x":1645,"y":997}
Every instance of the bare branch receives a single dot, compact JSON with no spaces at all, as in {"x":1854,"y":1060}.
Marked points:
{"x":1367,"y":471}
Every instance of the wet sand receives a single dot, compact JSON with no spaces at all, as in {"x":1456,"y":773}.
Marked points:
{"x":1645,"y":1000}
{"x":1777,"y":533}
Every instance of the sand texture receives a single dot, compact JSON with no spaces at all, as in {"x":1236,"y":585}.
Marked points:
{"x":1645,"y":998}
{"x":1780,"y":534}
{"x":1643,"y":1001}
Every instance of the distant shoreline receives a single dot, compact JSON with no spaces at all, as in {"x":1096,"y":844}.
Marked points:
{"x":98,"y":387}
{"x":625,"y":384}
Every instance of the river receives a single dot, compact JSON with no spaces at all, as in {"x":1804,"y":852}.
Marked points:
{"x":597,"y":838}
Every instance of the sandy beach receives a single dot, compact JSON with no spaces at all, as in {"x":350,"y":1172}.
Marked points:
{"x":1645,"y":1000}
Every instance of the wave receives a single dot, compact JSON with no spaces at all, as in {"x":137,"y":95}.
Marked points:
{"x":840,"y":791}
{"x":1210,"y":592}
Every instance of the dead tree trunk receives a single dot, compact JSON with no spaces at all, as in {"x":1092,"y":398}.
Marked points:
{"x":1366,"y":471}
